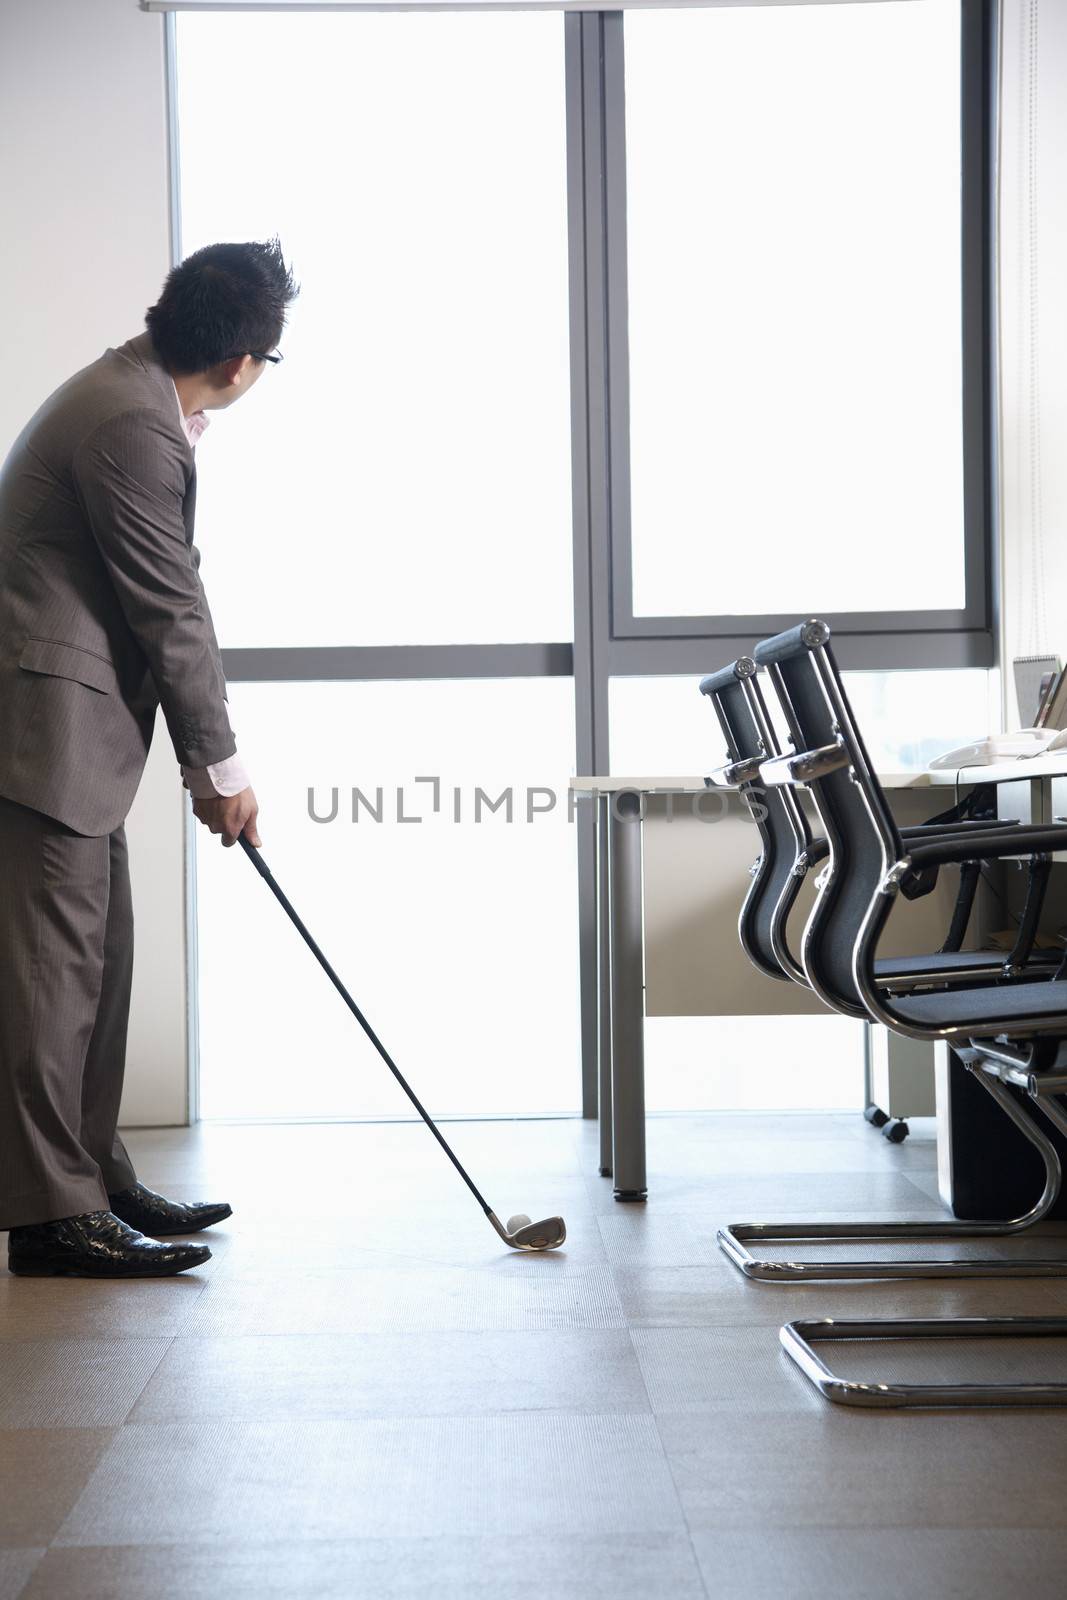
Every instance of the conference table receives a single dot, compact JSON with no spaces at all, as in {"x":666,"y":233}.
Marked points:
{"x":1030,"y":790}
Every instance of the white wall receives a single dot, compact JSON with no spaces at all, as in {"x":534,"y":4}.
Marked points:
{"x":1033,"y":269}
{"x":84,"y":202}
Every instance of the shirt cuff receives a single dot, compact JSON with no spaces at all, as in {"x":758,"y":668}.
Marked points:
{"x":221,"y":778}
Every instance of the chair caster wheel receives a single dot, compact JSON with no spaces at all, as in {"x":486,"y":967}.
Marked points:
{"x":876,"y":1116}
{"x":896,"y":1131}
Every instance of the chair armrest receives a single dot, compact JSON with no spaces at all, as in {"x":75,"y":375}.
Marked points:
{"x":804,"y":767}
{"x":922,"y":859}
{"x":938,"y":830}
{"x":1025,"y":839}
{"x":734,"y":773}
{"x":819,"y":848}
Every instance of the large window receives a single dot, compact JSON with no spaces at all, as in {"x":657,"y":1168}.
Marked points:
{"x":793,"y":222}
{"x":412,"y":456}
{"x":401,"y":481}
{"x":450,"y":917}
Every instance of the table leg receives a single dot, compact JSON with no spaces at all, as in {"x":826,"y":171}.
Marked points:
{"x":627,"y":987}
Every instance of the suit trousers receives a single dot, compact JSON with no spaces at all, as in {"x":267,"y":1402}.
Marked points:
{"x":66,"y":969}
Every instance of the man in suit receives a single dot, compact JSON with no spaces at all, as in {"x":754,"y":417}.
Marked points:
{"x":103,"y":619}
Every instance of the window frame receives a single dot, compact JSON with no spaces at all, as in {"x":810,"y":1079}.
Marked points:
{"x":963,"y":637}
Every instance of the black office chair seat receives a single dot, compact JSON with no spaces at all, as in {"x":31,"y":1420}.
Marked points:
{"x":948,"y":964}
{"x":949,"y":1007}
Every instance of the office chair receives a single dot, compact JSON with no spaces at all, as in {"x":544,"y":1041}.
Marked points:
{"x":1007,"y":1034}
{"x":844,"y":890}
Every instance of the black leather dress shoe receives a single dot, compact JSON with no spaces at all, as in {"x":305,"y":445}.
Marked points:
{"x":96,"y":1245}
{"x":143,"y":1208}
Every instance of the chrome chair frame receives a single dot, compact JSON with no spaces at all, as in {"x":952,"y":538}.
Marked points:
{"x":734,"y":1239}
{"x":799,"y":1338}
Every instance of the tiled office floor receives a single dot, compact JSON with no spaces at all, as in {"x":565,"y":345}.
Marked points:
{"x":362,"y":1394}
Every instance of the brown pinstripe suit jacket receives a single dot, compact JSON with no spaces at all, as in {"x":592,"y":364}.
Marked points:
{"x":103,"y":615}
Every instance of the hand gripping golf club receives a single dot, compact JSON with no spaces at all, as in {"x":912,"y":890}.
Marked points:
{"x":520,"y":1233}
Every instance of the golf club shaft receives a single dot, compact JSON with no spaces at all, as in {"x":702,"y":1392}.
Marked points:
{"x":268,"y":877}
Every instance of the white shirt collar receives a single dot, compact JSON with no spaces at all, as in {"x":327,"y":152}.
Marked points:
{"x":192,"y":426}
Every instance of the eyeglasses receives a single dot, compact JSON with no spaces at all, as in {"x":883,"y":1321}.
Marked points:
{"x":259,"y":355}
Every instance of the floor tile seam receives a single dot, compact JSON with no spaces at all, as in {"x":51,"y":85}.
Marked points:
{"x":339,"y":1415}
{"x":148,"y":1379}
{"x":68,"y":1427}
{"x":782,"y":1523}
{"x":372,"y":1333}
{"x":42,"y":1551}
{"x":115,"y":1432}
{"x":134,"y":1400}
{"x":593,"y":1182}
{"x":668,"y":1463}
{"x":86,"y":1338}
{"x":428,"y":1328}
{"x":670,"y":1468}
{"x":343,"y":1541}
{"x":364,"y":1419}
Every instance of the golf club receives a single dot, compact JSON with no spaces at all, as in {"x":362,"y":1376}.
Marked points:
{"x":520,"y":1233}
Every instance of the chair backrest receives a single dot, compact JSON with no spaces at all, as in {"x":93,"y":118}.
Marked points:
{"x":851,"y":804}
{"x":742,"y":712}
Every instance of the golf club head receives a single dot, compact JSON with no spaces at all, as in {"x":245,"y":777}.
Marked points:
{"x":522,"y":1234}
{"x":548,"y":1234}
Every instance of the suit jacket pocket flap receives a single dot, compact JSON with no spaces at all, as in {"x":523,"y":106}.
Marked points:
{"x":68,"y":661}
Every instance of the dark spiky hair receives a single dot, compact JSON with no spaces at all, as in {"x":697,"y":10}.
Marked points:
{"x":224,"y":300}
